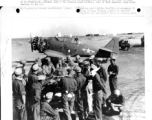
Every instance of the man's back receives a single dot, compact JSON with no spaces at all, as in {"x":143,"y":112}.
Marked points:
{"x":81,"y":80}
{"x":69,"y":84}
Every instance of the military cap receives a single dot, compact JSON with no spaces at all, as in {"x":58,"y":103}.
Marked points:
{"x":18,"y":71}
{"x":49,"y":95}
{"x":78,"y":56}
{"x":77,"y":69}
{"x":35,"y":67}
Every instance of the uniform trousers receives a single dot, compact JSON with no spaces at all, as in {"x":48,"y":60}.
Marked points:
{"x":68,"y":104}
{"x":98,"y":96}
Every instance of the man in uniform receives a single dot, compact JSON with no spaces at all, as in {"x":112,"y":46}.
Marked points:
{"x":68,"y":86}
{"x":19,"y":96}
{"x":21,"y":64}
{"x":77,"y":58}
{"x":81,"y":80}
{"x":103,"y":77}
{"x":33,"y":77}
{"x":98,"y":89}
{"x":35,"y":97}
{"x":115,"y":103}
{"x":47,"y":67}
{"x":47,"y":112}
{"x":113,"y":70}
{"x":87,"y":92}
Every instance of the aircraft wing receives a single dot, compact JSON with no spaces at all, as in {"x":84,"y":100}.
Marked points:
{"x":53,"y":53}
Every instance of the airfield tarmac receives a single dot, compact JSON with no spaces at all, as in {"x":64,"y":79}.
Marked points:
{"x":131,"y":78}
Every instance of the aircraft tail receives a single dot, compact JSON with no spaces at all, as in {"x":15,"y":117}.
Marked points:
{"x":112,"y":48}
{"x":113,"y":45}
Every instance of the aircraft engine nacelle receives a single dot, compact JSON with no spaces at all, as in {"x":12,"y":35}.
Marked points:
{"x":37,"y":43}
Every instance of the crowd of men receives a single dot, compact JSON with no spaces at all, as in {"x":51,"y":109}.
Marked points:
{"x":32,"y":101}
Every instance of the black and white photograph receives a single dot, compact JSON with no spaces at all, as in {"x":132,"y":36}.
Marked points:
{"x":77,"y":67}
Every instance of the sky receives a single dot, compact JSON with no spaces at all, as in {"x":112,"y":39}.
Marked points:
{"x":47,"y":26}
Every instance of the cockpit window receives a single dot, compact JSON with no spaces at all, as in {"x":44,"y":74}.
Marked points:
{"x":76,"y":41}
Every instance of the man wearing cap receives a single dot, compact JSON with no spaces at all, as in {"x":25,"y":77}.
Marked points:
{"x":60,"y":63}
{"x":68,"y":87}
{"x":77,"y":58}
{"x":47,"y":112}
{"x":21,"y":64}
{"x":81,"y":80}
{"x":86,"y":73}
{"x":115,"y":103}
{"x":35,"y":97}
{"x":113,"y":70}
{"x":19,"y":95}
{"x":103,"y":77}
{"x":98,"y":89}
{"x":39,"y":63}
{"x":47,"y":67}
{"x":32,"y":77}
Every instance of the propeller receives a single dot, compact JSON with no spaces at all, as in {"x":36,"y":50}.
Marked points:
{"x":31,"y":42}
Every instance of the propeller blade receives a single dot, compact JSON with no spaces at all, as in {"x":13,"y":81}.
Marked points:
{"x":31,"y":42}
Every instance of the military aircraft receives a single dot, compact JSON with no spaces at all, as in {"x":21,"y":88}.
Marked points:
{"x":84,"y":46}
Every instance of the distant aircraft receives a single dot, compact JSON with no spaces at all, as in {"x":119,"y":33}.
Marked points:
{"x":83,"y":46}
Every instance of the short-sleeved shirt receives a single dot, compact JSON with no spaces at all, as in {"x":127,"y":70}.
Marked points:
{"x":18,"y":91}
{"x":47,"y":110}
{"x":113,"y":68}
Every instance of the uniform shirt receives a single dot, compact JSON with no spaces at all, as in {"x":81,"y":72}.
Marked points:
{"x":31,"y":79}
{"x":36,"y":90}
{"x":97,"y":83}
{"x":47,"y":110}
{"x":18,"y":91}
{"x":102,"y":73}
{"x":68,"y":84}
{"x":80,"y":81}
{"x":113,"y":68}
{"x":48,"y":69}
{"x":86,"y":74}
